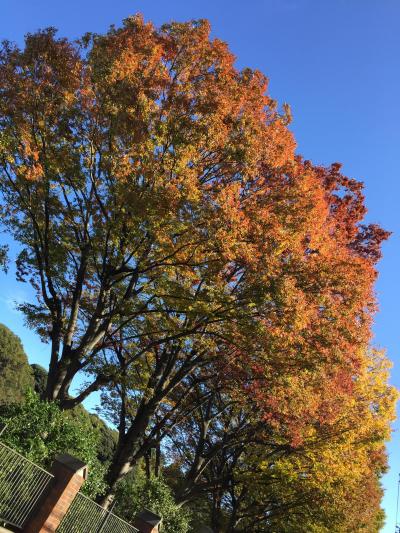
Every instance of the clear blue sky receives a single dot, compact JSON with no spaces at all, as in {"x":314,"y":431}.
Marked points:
{"x":337,"y":62}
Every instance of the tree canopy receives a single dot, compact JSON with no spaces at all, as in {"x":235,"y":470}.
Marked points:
{"x":217,"y":288}
{"x":252,"y":479}
{"x":118,"y":194}
{"x":40,"y":378}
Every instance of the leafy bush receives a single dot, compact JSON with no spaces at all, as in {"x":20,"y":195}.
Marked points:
{"x":136,"y":493}
{"x":107,"y":437}
{"x":40,"y":430}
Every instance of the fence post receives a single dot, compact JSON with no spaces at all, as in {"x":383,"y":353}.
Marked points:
{"x":69,"y":474}
{"x":147,"y":522}
{"x":104,"y":522}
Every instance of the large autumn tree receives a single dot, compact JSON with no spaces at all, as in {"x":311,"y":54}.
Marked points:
{"x":179,"y":250}
{"x":308,"y":279}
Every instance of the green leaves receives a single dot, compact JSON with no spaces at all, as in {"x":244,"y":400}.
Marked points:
{"x":136,"y":493}
{"x":4,"y":257}
{"x":40,"y":430}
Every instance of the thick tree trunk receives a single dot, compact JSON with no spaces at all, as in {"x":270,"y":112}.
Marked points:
{"x":131,"y":448}
{"x":55,"y":380}
{"x":60,"y":378}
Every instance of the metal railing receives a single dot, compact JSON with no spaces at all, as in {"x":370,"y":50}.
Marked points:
{"x":22,"y":483}
{"x":86,"y":516}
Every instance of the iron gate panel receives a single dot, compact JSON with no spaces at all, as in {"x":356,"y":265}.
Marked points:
{"x":22,"y":483}
{"x":86,"y":516}
{"x":115,"y":524}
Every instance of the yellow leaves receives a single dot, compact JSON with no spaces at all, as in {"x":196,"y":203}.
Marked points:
{"x":124,"y":65}
{"x":338,"y":463}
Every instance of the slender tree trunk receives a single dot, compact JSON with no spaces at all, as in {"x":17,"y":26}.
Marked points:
{"x":147,"y":459}
{"x":157,"y":466}
{"x":53,"y":380}
{"x":216,"y":514}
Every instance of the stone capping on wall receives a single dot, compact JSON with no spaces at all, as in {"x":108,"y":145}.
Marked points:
{"x":147,"y":522}
{"x":73,"y":464}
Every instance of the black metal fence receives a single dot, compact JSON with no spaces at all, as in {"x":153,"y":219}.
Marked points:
{"x":22,"y":484}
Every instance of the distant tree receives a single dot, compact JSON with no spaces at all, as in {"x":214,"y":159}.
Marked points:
{"x":15,"y":373}
{"x":107,"y":438}
{"x":40,"y":378}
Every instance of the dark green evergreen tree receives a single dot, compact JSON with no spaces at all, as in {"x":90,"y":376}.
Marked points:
{"x":15,"y":373}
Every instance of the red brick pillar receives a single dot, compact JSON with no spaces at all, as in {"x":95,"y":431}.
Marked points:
{"x":69,"y":474}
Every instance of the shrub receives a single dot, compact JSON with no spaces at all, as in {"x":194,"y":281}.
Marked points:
{"x":40,"y":430}
{"x":136,"y":493}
